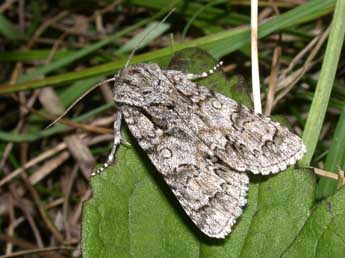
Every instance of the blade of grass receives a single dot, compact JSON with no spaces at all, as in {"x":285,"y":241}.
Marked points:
{"x":333,"y":102}
{"x":36,"y":11}
{"x":335,"y":160}
{"x":196,"y":14}
{"x":324,"y":86}
{"x":217,"y":44}
{"x":31,"y":55}
{"x":158,"y":31}
{"x":9,"y":30}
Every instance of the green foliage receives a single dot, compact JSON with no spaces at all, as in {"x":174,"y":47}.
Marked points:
{"x":218,"y":44}
{"x":323,"y":233}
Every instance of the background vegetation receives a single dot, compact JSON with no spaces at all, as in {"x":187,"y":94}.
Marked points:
{"x":52,"y":52}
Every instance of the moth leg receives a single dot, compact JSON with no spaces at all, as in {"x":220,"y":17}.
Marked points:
{"x":116,"y":142}
{"x":192,"y":76}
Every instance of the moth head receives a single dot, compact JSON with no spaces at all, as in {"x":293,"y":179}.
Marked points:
{"x":141,"y":85}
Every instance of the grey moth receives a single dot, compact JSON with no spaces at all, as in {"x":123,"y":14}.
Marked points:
{"x":203,"y":143}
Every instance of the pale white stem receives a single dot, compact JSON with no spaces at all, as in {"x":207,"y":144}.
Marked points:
{"x":254,"y":54}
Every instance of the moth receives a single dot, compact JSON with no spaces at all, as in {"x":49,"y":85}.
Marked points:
{"x":201,"y":142}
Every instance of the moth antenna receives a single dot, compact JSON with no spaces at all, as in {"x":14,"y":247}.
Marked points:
{"x":77,"y":100}
{"x":192,"y":76}
{"x":145,"y":36}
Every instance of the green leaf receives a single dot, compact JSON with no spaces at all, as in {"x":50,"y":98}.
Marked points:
{"x":277,"y":209}
{"x":133,"y":213}
{"x":196,"y":60}
{"x":323,"y":234}
{"x":130,"y":216}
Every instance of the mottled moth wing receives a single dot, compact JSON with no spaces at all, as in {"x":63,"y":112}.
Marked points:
{"x":211,"y":193}
{"x":241,"y":138}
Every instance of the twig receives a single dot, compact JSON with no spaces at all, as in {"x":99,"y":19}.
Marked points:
{"x":286,"y":84}
{"x":110,"y":7}
{"x":273,"y":79}
{"x":44,"y":26}
{"x":55,"y":203}
{"x":298,"y":58}
{"x":340,"y":177}
{"x":21,"y":15}
{"x":25,"y":244}
{"x":36,"y":251}
{"x":50,"y":153}
{"x":10,"y":230}
{"x":32,"y":224}
{"x":55,"y":47}
{"x":98,"y":14}
{"x":17,"y":241}
{"x":18,"y":128}
{"x":48,"y":167}
{"x":6,"y":5}
{"x":44,"y":215}
{"x":67,"y":194}
{"x":81,"y":153}
{"x":33,"y":162}
{"x":330,"y":175}
{"x":67,"y":122}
